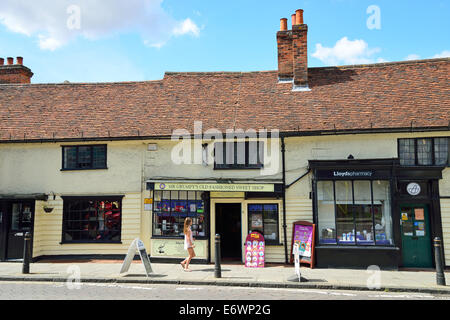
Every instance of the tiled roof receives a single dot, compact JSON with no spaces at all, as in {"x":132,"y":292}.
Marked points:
{"x":380,"y":96}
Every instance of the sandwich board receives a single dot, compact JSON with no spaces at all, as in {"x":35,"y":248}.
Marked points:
{"x":303,"y":234}
{"x":138,"y":245}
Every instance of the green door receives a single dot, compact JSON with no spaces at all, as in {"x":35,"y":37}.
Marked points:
{"x":416,"y":237}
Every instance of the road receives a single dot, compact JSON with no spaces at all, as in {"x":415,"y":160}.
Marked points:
{"x":104,"y":291}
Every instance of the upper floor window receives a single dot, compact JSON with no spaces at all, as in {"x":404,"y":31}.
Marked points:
{"x":424,"y":151}
{"x":84,"y":157}
{"x":238,"y":155}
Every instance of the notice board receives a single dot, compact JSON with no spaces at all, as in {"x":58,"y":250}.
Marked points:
{"x":254,"y":250}
{"x":303,"y":234}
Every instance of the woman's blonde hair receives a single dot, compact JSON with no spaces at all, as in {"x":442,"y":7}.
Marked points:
{"x":187,"y":223}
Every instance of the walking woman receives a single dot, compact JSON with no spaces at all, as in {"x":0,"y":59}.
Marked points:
{"x":188,"y":244}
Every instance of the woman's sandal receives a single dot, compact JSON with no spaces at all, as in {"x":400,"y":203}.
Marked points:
{"x":188,"y":270}
{"x":182,"y":265}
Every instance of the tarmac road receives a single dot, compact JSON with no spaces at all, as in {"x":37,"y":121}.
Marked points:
{"x":104,"y":291}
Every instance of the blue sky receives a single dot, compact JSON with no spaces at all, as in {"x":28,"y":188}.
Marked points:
{"x":138,"y":40}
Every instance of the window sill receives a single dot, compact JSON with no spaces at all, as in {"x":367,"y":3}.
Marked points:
{"x":90,"y":242}
{"x":178,"y":238}
{"x":85,"y":169}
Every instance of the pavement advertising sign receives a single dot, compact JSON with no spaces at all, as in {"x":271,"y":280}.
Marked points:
{"x":138,"y":245}
{"x":303,"y":234}
{"x":254,"y":250}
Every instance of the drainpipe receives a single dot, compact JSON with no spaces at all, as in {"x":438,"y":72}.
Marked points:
{"x":283,"y":159}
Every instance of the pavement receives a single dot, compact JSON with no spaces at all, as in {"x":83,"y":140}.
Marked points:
{"x":272,"y":276}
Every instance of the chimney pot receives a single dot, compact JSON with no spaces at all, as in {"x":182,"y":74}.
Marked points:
{"x":299,"y":16}
{"x":294,"y":19}
{"x":10,"y":60}
{"x":20,"y":60}
{"x":2,"y":61}
{"x":283,"y":24}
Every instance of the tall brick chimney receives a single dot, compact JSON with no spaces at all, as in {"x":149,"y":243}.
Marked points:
{"x":293,"y":53}
{"x":14,"y":73}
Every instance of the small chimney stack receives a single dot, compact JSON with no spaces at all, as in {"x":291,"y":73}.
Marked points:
{"x":283,"y":24}
{"x":14,"y":73}
{"x":293,"y":53}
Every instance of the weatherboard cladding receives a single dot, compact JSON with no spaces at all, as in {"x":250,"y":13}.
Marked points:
{"x":379,"y":96}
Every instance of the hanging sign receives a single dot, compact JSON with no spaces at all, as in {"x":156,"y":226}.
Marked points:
{"x":254,"y":250}
{"x":138,"y":245}
{"x":413,"y":189}
{"x":303,"y":235}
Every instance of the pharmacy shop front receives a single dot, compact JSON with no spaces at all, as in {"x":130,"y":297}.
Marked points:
{"x":231,"y":210}
{"x":375,"y":212}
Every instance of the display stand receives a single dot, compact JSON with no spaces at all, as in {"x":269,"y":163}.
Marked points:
{"x":303,"y":234}
{"x":254,"y":250}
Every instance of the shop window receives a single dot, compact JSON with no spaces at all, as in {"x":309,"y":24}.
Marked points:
{"x":84,"y":157}
{"x":171,"y":208}
{"x":92,"y":220}
{"x":354,"y":212}
{"x":424,"y":151}
{"x":239,"y":155}
{"x":264,"y":218}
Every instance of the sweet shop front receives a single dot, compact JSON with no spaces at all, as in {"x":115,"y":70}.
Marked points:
{"x":230,"y":209}
{"x":375,"y":212}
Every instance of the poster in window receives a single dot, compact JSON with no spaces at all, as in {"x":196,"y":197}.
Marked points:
{"x":257,"y":220}
{"x":254,"y":250}
{"x":419,"y":214}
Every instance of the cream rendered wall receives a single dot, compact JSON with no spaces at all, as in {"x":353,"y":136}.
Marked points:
{"x":444,"y":190}
{"x":36,"y":168}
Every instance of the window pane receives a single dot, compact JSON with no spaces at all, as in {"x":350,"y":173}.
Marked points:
{"x":344,"y":213}
{"x":255,"y":218}
{"x":99,"y":153}
{"x":325,"y":202}
{"x":424,"y":149}
{"x":382,"y":212}
{"x":270,"y":222}
{"x":441,"y":151}
{"x":363,"y":212}
{"x":84,"y":157}
{"x":407,"y":152}
{"x":70,"y":157}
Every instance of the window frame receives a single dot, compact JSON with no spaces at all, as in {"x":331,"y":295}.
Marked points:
{"x":237,"y":166}
{"x":66,"y":199}
{"x":205,"y":212}
{"x":91,"y":146}
{"x":433,"y":152}
{"x":268,"y":241}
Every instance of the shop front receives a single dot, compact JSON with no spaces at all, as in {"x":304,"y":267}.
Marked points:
{"x":229,"y":209}
{"x":375,"y":212}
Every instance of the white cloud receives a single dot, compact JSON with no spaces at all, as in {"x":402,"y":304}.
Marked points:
{"x":49,"y":20}
{"x":412,"y":56}
{"x":346,"y":52}
{"x":443,"y":54}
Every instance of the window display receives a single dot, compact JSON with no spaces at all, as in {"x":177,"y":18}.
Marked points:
{"x":171,"y":208}
{"x":358,"y":210}
{"x":264,"y":218}
{"x":92,"y":220}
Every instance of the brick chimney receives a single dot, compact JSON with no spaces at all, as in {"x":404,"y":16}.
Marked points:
{"x":293,"y":52}
{"x":14,"y":73}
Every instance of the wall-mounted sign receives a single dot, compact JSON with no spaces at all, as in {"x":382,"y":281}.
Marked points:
{"x":352,"y":174}
{"x":175,"y":248}
{"x":223,"y":187}
{"x":148,"y":204}
{"x":303,"y":234}
{"x":413,"y":188}
{"x":348,"y":174}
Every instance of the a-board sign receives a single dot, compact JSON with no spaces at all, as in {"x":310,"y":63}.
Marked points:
{"x":303,"y":234}
{"x":138,"y":245}
{"x":254,"y":250}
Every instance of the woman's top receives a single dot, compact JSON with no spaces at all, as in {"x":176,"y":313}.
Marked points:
{"x":186,"y":243}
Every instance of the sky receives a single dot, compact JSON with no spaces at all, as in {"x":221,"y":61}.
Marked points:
{"x":139,"y":40}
